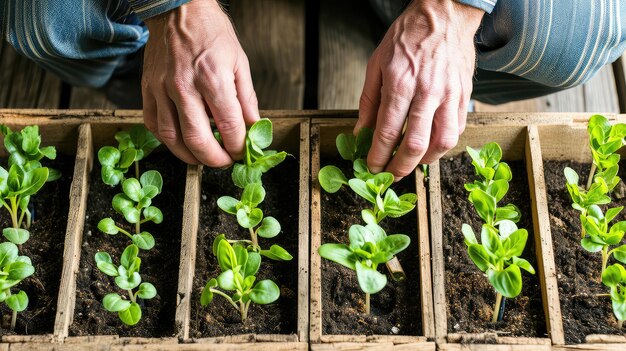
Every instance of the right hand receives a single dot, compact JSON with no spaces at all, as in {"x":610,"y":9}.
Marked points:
{"x":195,"y":69}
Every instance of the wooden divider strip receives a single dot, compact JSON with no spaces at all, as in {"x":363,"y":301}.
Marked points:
{"x":436,"y":240}
{"x":315,"y":325}
{"x":74,"y":234}
{"x":303,"y":235}
{"x":543,"y":237}
{"x":191,"y":213}
{"x":428,"y":314}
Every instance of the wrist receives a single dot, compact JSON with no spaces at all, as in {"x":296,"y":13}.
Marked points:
{"x":464,"y":17}
{"x":195,"y":8}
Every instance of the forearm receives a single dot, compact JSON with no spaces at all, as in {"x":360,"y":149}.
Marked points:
{"x":146,"y":9}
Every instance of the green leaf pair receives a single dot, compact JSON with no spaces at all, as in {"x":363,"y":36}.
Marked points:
{"x":239,"y":268}
{"x":134,"y":145}
{"x":604,"y":140}
{"x":13,"y":269}
{"x":127,"y":278}
{"x":256,"y":161}
{"x":143,"y":240}
{"x":137,"y":196}
{"x":369,"y":247}
{"x":614,"y":277}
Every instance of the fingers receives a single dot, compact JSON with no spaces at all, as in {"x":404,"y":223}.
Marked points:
{"x":392,"y":113}
{"x":198,"y":138}
{"x":149,"y":112}
{"x":370,"y":97}
{"x":220,"y":94}
{"x":168,"y":129}
{"x":246,"y":94}
{"x":416,"y":138}
{"x":445,"y":133}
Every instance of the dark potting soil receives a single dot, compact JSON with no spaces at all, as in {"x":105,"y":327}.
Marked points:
{"x":159,"y":265}
{"x":469,"y":294}
{"x":578,"y":271}
{"x":394,"y":310}
{"x":281,"y":202}
{"x":45,"y":249}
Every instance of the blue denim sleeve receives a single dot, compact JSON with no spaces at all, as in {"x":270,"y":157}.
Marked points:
{"x":149,"y":8}
{"x":485,"y":5}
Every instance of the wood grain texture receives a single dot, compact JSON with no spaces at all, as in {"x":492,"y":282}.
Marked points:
{"x":191,"y":213}
{"x":271,"y":33}
{"x":543,"y":237}
{"x":436,"y":241}
{"x":599,"y":94}
{"x":315,"y":320}
{"x":346,"y":42}
{"x":74,"y":234}
{"x":375,"y":346}
{"x":25,"y":85}
{"x":619,"y":69}
{"x":482,"y":347}
{"x":428,"y":314}
{"x":303,"y":233}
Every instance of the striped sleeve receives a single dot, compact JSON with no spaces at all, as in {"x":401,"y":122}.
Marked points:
{"x":149,"y":8}
{"x":485,"y":5}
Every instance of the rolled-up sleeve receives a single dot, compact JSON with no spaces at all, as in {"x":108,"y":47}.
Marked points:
{"x":485,"y":5}
{"x":149,"y":8}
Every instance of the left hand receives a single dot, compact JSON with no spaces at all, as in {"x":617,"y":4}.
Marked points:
{"x":421,"y":74}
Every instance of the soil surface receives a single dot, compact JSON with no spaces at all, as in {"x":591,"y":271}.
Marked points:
{"x":394,"y":310}
{"x":469,"y":294}
{"x":281,"y":202}
{"x":159,"y":265}
{"x":45,"y":249}
{"x":578,"y":271}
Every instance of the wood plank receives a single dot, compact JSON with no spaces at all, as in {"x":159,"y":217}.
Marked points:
{"x":248,"y":338}
{"x":543,"y":237}
{"x":262,"y":346}
{"x":303,"y":233}
{"x":599,"y":94}
{"x":271,"y":33}
{"x":74,"y":234}
{"x":428,"y":314}
{"x":605,"y":339}
{"x":46,"y":338}
{"x":25,"y":85}
{"x":494,"y":338}
{"x":619,"y":69}
{"x":346,"y":41}
{"x":191,"y":213}
{"x":483,"y":347}
{"x":590,"y":347}
{"x":436,"y":239}
{"x":89,"y":98}
{"x":315,"y":321}
{"x":354,"y":346}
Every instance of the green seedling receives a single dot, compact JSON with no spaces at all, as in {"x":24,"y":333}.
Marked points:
{"x":249,"y":216}
{"x":598,"y":234}
{"x":127,"y":278}
{"x":25,"y":149}
{"x":375,"y":188}
{"x":239,"y":268}
{"x":134,"y":145}
{"x":13,"y":269}
{"x":369,"y":247}
{"x":256,"y":161}
{"x":501,"y":242}
{"x":615,"y":278}
{"x":135,"y":204}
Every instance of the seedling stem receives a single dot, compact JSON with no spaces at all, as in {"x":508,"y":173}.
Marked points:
{"x":255,"y":241}
{"x":367,"y":303}
{"x":496,"y":308}
{"x":620,"y":324}
{"x":137,"y":169}
{"x":591,"y":173}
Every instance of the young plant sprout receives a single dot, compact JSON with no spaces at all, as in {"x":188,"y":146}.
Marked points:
{"x":369,"y":245}
{"x":239,"y":268}
{"x":134,"y":203}
{"x":126,"y":278}
{"x":24,"y":178}
{"x":598,"y":234}
{"x":501,"y":242}
{"x":240,"y":259}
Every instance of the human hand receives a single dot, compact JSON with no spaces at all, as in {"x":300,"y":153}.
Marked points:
{"x":195,"y":69}
{"x":420,"y":73}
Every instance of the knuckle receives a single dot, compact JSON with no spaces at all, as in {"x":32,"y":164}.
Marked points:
{"x":365,"y":101}
{"x":416,"y":146}
{"x":196,"y":142}
{"x":401,"y":88}
{"x":445,"y":144}
{"x":388,"y":136}
{"x":167,"y":135}
{"x":228,"y":126}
